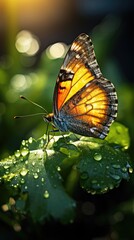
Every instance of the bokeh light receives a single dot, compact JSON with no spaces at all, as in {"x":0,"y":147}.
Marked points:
{"x":56,"y":50}
{"x":27,"y":43}
{"x":20,"y":82}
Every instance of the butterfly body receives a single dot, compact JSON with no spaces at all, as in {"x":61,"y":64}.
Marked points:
{"x":84,"y":101}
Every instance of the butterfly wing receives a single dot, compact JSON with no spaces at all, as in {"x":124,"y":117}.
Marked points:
{"x":79,"y":67}
{"x":84,"y":101}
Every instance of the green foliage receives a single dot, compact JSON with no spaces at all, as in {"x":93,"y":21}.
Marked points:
{"x":42,"y":176}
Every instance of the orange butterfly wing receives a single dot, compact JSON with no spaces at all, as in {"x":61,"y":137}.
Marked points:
{"x":75,"y":64}
{"x":84,"y":102}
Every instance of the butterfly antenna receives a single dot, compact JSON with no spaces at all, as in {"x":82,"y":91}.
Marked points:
{"x":28,"y":100}
{"x":33,"y":114}
{"x":28,"y":115}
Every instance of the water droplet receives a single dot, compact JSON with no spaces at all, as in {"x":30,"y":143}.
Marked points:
{"x":46,"y":194}
{"x":33,"y":163}
{"x":24,"y":152}
{"x":97,"y":156}
{"x":7,"y":171}
{"x":17,"y":154}
{"x":38,"y":170}
{"x":6,"y":166}
{"x":26,"y":162}
{"x":26,"y":187}
{"x":22,"y":180}
{"x":84,"y":175}
{"x":23,"y":143}
{"x":104,"y":190}
{"x":130,"y":170}
{"x":116,"y":177}
{"x":58,"y":169}
{"x":124,"y":169}
{"x":42,"y":179}
{"x":35,"y":175}
{"x":30,"y":140}
{"x":116,"y":166}
{"x":23,"y":172}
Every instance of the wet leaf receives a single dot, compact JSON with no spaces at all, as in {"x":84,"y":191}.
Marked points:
{"x":42,"y":176}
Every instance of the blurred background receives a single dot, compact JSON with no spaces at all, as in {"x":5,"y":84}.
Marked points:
{"x":34,"y":37}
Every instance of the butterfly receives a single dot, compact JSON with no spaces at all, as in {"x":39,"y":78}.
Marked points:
{"x":84,"y":102}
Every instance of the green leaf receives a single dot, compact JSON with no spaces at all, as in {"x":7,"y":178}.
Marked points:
{"x":36,"y":173}
{"x":103,"y":167}
{"x":119,"y":135}
{"x":42,"y":176}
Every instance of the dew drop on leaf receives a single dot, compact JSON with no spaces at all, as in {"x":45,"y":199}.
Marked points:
{"x":17,"y":154}
{"x":116,"y":177}
{"x":23,"y":143}
{"x":23,"y":172}
{"x":35,"y":175}
{"x":46,"y":194}
{"x":22,"y":180}
{"x":30,"y":140}
{"x":97,"y":156}
{"x":42,"y":179}
{"x":7,"y":171}
{"x":116,"y":166}
{"x":24,"y":152}
{"x":26,"y":162}
{"x":124,"y":169}
{"x":104,"y":190}
{"x":6,"y":166}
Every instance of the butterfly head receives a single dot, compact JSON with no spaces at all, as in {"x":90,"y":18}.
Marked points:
{"x":49,"y":118}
